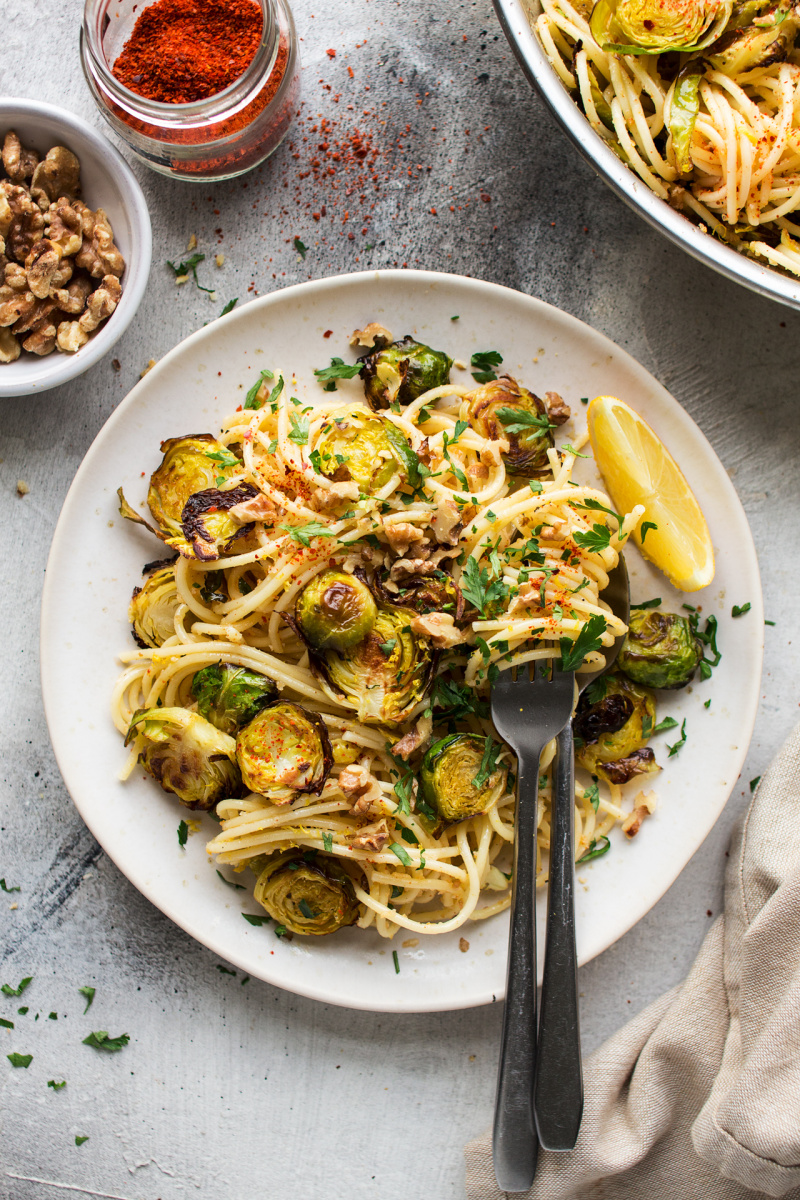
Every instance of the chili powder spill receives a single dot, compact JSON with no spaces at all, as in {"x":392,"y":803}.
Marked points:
{"x":186,"y":50}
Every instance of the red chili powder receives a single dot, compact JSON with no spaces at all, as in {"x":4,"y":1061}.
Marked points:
{"x":185,"y":50}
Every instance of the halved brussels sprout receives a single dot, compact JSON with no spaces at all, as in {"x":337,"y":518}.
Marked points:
{"x":385,"y":676}
{"x":505,"y":409}
{"x":307,"y":895}
{"x":187,"y":755}
{"x":402,"y":372}
{"x":284,"y":750}
{"x":609,"y":725}
{"x":356,"y":445}
{"x":436,"y":592}
{"x":229,"y":696}
{"x":186,"y":468}
{"x":460,"y":776}
{"x":335,"y":610}
{"x":740,"y":50}
{"x":660,"y":650}
{"x":657,"y":26}
{"x":153,"y":606}
{"x":209,"y":530}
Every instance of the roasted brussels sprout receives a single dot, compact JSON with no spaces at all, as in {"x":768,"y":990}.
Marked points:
{"x":187,"y":755}
{"x":505,"y":409}
{"x":460,"y":776}
{"x":229,"y":696}
{"x":284,"y":750}
{"x":335,"y":610}
{"x":609,"y":727}
{"x":402,"y":372}
{"x":436,"y":592}
{"x":740,"y":50}
{"x":356,"y":445}
{"x":658,"y":26}
{"x":307,"y":895}
{"x":209,"y":529}
{"x":186,"y":468}
{"x":153,"y":606}
{"x":385,"y":676}
{"x":660,"y":650}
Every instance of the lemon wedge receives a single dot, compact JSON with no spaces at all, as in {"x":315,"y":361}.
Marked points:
{"x":638,"y":469}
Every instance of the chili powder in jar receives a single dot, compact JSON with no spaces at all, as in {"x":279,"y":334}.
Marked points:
{"x":199,"y":89}
{"x":186,"y":50}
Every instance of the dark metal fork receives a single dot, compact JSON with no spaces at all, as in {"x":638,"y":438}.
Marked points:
{"x":527,"y":713}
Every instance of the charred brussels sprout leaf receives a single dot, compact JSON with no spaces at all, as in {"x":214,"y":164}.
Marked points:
{"x":460,"y":776}
{"x":229,"y":696}
{"x":611,"y":731}
{"x":153,"y":606}
{"x":402,"y":372}
{"x":308,"y":897}
{"x":385,"y":676}
{"x":658,"y":26}
{"x":436,"y":592}
{"x":660,"y":650}
{"x":209,"y":530}
{"x":187,"y":755}
{"x":356,"y":445}
{"x":284,"y":750}
{"x":505,"y":409}
{"x":335,"y":611}
{"x":187,"y":467}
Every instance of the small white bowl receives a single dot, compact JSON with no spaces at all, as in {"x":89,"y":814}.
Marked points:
{"x":107,"y":182}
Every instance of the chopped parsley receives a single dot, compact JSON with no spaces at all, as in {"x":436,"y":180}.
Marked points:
{"x":307,"y":910}
{"x":237,"y":886}
{"x":588,"y":640}
{"x":281,"y":931}
{"x":4,"y":887}
{"x":6,"y":1024}
{"x":592,"y":794}
{"x":299,"y":433}
{"x":183,"y":833}
{"x":483,"y":363}
{"x":754,"y":783}
{"x":101,"y":1041}
{"x":596,"y":506}
{"x":491,"y":750}
{"x":327,"y":842}
{"x":680,"y":743}
{"x":189,"y":267}
{"x":455,"y":318}
{"x":739,"y":610}
{"x":645,"y":529}
{"x":519,"y":420}
{"x":478,"y":588}
{"x":300,"y":248}
{"x":88,"y":995}
{"x":594,"y":540}
{"x":338,"y":369}
{"x":654,"y":603}
{"x":80,"y":1140}
{"x":454,"y":701}
{"x":596,"y":849}
{"x":20,"y":1060}
{"x":568,"y":449}
{"x":253,"y":919}
{"x":51,"y":1083}
{"x":396,"y":962}
{"x":229,"y":306}
{"x":304,"y":533}
{"x":251,"y":400}
{"x":8,"y":990}
{"x":401,"y":853}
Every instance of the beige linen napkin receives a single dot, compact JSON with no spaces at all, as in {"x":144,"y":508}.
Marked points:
{"x":698,"y":1097}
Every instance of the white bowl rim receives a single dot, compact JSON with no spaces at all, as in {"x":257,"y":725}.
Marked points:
{"x":137,"y":270}
{"x":626,"y":183}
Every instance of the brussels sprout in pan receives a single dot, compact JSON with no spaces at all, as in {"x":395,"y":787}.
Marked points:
{"x":434,"y":592}
{"x":660,"y":650}
{"x":610,"y":728}
{"x":460,"y":776}
{"x":187,"y":755}
{"x":192,"y":463}
{"x":402,"y":372}
{"x":505,"y":409}
{"x":307,"y":895}
{"x":385,"y":676}
{"x":335,"y":610}
{"x":357,"y":446}
{"x":229,"y":696}
{"x":283,"y":751}
{"x":153,"y":606}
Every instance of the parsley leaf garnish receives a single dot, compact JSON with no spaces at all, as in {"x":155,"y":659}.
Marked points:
{"x":183,"y":833}
{"x":7,"y":889}
{"x":236,"y":886}
{"x":681,"y":741}
{"x":400,"y":853}
{"x":189,"y":267}
{"x":645,"y":529}
{"x":306,"y":909}
{"x":224,"y":458}
{"x":338,"y":369}
{"x":88,"y":995}
{"x":396,"y":962}
{"x":589,"y":639}
{"x":667,"y":723}
{"x":8,"y":990}
{"x":596,"y":539}
{"x":20,"y":1060}
{"x":300,"y":248}
{"x":80,"y":1140}
{"x":568,"y":449}
{"x":454,"y":701}
{"x":299,"y":434}
{"x":482,"y":364}
{"x":596,"y":506}
{"x":251,"y":400}
{"x":6,"y":1024}
{"x":739,"y":610}
{"x":519,"y":420}
{"x":754,"y":783}
{"x":592,"y":794}
{"x":596,"y":849}
{"x":304,"y":533}
{"x":253,"y":919}
{"x":51,"y":1083}
{"x":388,"y":646}
{"x":229,"y":306}
{"x":327,"y":842}
{"x":101,"y":1041}
{"x":478,"y":588}
{"x":491,"y":750}
{"x":654,"y":603}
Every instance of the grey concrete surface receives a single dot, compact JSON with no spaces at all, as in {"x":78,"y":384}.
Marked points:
{"x":246,"y":1092}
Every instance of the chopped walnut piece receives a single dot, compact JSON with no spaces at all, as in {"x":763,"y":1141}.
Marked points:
{"x":70,"y":337}
{"x":38,"y":313}
{"x":439,"y":628}
{"x":72,"y":299}
{"x":40,"y":267}
{"x":372,"y":837}
{"x":9,"y":346}
{"x":27,"y":223}
{"x":6,"y":215}
{"x":66,"y":227}
{"x":414,"y":739}
{"x":402,"y":534}
{"x":17,"y":305}
{"x":643,"y":806}
{"x":58,"y":174}
{"x":446,"y":522}
{"x":260,"y":508}
{"x":557,"y":409}
{"x":101,"y":303}
{"x":477,"y":475}
{"x":98,"y":255}
{"x":15,"y":277}
{"x":42,"y":339}
{"x":22,"y":488}
{"x":19,"y":164}
{"x":371,"y":336}
{"x":463,"y":945}
{"x":361,"y":787}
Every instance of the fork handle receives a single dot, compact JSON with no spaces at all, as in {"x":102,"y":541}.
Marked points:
{"x":559,"y":1081}
{"x":514,"y":1143}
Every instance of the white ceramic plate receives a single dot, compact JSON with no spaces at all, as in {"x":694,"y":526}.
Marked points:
{"x":97,"y":558}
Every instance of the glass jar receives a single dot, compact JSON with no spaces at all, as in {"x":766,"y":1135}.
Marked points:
{"x":219,"y":137}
